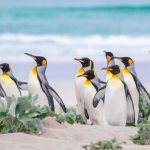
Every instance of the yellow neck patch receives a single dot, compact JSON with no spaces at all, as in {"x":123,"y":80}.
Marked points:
{"x":5,"y":75}
{"x":44,"y":62}
{"x":34,"y":71}
{"x":126,"y":71}
{"x":80,"y":71}
{"x":115,"y":77}
{"x":88,"y":83}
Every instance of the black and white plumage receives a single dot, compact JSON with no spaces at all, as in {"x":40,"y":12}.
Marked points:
{"x":38,"y":85}
{"x":91,"y":86}
{"x":9,"y":83}
{"x":135,"y":86}
{"x":117,"y":97}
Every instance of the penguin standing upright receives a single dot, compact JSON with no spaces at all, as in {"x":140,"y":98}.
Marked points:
{"x":136,"y":88}
{"x":110,"y":62}
{"x":91,"y":86}
{"x":9,"y":84}
{"x":116,"y":97}
{"x":38,"y":85}
{"x":87,"y":64}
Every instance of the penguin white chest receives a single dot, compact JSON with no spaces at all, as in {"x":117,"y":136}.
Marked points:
{"x":134,"y":94}
{"x":115,"y":105}
{"x":9,"y":86}
{"x":34,"y":88}
{"x":131,"y":85}
{"x":79,"y":90}
{"x":96,"y":115}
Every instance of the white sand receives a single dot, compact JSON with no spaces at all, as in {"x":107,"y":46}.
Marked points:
{"x":67,"y":137}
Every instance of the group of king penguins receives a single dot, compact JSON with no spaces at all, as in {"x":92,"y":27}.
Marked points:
{"x":37,"y":84}
{"x":114,"y":102}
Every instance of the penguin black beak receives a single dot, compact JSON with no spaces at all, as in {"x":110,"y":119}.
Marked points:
{"x":118,"y":58}
{"x":107,"y":68}
{"x":82,"y":75}
{"x":1,"y":66}
{"x":80,"y":60}
{"x":103,"y":68}
{"x":104,"y":51}
{"x":34,"y":57}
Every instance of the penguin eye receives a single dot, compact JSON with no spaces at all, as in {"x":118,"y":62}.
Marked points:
{"x":44,"y":62}
{"x":130,"y":61}
{"x":108,"y":58}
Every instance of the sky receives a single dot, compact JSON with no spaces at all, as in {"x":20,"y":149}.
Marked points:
{"x":72,"y":2}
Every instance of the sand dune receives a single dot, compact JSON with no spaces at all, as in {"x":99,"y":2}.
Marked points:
{"x":67,"y":137}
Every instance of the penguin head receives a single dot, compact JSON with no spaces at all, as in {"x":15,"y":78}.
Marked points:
{"x":41,"y":61}
{"x":5,"y":67}
{"x":127,"y":61}
{"x":85,"y":62}
{"x":109,"y":56}
{"x":113,"y":69}
{"x":90,"y":74}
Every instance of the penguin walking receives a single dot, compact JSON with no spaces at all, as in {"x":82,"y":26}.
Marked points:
{"x":91,"y":85}
{"x":135,"y":86}
{"x":116,"y":97}
{"x":38,"y":85}
{"x":110,"y":62}
{"x":9,"y":84}
{"x":86,"y":64}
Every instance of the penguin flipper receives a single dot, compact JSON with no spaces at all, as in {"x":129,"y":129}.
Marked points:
{"x":2,"y":92}
{"x":100,"y":95}
{"x":141,"y":89}
{"x":49,"y":96}
{"x":50,"y":91}
{"x":102,"y":82}
{"x":57,"y":98}
{"x":15,"y":80}
{"x":22,"y":85}
{"x":129,"y":101}
{"x":86,"y":113}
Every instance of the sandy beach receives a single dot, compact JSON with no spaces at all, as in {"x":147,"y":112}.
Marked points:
{"x":68,"y":137}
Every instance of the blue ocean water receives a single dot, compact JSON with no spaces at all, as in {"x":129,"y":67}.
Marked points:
{"x":76,"y":21}
{"x":62,"y":32}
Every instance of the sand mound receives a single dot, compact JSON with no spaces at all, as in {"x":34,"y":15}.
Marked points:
{"x":67,"y":137}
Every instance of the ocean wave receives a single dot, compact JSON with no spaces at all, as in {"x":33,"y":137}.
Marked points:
{"x":59,"y":46}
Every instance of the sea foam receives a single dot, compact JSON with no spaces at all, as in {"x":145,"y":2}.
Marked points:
{"x":64,"y":47}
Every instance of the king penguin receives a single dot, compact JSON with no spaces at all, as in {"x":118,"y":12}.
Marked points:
{"x":87,"y":64}
{"x":91,"y":85}
{"x":135,"y":86}
{"x":116,"y":97}
{"x":110,"y":62}
{"x":38,"y":85}
{"x":9,"y":84}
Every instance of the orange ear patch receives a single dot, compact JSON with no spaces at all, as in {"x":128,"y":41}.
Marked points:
{"x":95,"y":74}
{"x":130,"y":61}
{"x":108,"y":58}
{"x":44,"y":62}
{"x":10,"y":68}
